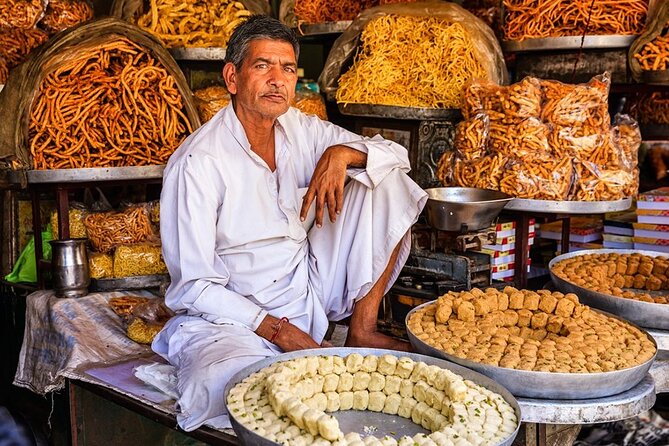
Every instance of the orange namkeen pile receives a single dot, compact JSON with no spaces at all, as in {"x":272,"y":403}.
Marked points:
{"x":321,"y":11}
{"x":531,"y":19}
{"x":112,"y":105}
{"x":654,"y":55}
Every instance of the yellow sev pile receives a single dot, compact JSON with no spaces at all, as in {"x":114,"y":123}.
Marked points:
{"x":411,"y":62}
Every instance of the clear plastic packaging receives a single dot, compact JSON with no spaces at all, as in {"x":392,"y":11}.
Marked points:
{"x":141,"y":259}
{"x":100,"y":265}
{"x":23,"y":14}
{"x":210,"y":100}
{"x":471,"y":137}
{"x":76,"y":214}
{"x":63,"y":14}
{"x":596,"y":182}
{"x":445,"y":168}
{"x":310,"y":102}
{"x":543,"y":179}
{"x":507,"y":104}
{"x":485,"y":172}
{"x":578,"y":105}
{"x":526,"y":139}
{"x":107,"y":230}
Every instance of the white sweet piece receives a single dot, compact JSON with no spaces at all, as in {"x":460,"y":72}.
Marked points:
{"x":330,"y":382}
{"x":406,"y":388}
{"x":406,"y":407}
{"x":311,"y":417}
{"x":360,"y":400}
{"x":332,"y":402}
{"x":404,"y":367}
{"x":352,"y":436}
{"x":325,"y":365}
{"x":345,"y":382}
{"x":405,"y":441}
{"x":387,"y":364}
{"x":418,"y":372}
{"x":305,"y":388}
{"x":346,"y":401}
{"x":392,"y":404}
{"x":377,"y":382}
{"x":312,"y":366}
{"x":376,"y":401}
{"x":361,"y":380}
{"x":392,"y":385}
{"x":370,"y":363}
{"x":297,"y":415}
{"x":338,"y":365}
{"x":420,"y":391}
{"x":372,"y":441}
{"x":418,"y":411}
{"x":354,"y":362}
{"x":328,"y":428}
{"x":318,"y":383}
{"x":387,"y":440}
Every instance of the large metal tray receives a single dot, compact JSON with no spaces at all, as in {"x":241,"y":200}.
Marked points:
{"x":213,"y":53}
{"x":130,"y":283}
{"x":355,"y":421}
{"x":317,"y":29}
{"x":86,"y":175}
{"x":655,"y":77}
{"x":547,"y":385}
{"x":645,"y":314}
{"x":568,"y":207}
{"x":567,"y":43}
{"x":391,"y":111}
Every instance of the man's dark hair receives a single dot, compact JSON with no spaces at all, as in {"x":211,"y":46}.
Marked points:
{"x":257,"y":26}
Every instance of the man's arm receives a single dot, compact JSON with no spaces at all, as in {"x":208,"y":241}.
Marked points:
{"x":327,"y":182}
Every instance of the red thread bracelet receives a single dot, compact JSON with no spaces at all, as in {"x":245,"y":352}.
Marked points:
{"x":277,"y":328}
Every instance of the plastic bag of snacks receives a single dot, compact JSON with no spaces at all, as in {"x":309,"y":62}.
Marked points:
{"x":100,"y":265}
{"x":106,"y":230}
{"x":210,"y":100}
{"x":77,"y":214}
{"x":154,"y":211}
{"x":583,"y":107}
{"x":546,"y":179}
{"x":471,"y":136}
{"x":485,"y":172}
{"x":22,"y":14}
{"x":507,"y":104}
{"x":63,"y":14}
{"x":140,"y":259}
{"x":527,"y":138}
{"x":310,"y":102}
{"x":596,"y":182}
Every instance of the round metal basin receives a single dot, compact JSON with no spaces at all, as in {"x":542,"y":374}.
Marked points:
{"x":463,"y":209}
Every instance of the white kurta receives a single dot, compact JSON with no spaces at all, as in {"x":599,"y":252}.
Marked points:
{"x":236,"y":249}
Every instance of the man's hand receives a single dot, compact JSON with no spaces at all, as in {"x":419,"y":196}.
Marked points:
{"x":327,"y":182}
{"x":290,"y":337}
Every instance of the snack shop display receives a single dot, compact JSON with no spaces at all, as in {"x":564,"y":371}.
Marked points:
{"x":107,"y":230}
{"x":291,"y":401}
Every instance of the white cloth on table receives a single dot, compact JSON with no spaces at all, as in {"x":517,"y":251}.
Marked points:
{"x":237,"y":250}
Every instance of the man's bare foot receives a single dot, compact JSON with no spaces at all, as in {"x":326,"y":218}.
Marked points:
{"x":376,"y":340}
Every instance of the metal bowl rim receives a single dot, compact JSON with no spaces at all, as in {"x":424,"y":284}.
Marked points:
{"x":507,"y":197}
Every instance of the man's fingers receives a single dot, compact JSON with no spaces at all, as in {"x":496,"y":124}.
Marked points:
{"x":320,"y":203}
{"x":306,"y":203}
{"x":339,"y":198}
{"x":332,"y":206}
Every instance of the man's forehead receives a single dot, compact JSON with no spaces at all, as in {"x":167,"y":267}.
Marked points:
{"x":270,"y":49}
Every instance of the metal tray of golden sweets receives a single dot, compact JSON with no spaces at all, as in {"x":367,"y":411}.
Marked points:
{"x":364,"y":422}
{"x":545,"y":385}
{"x":645,"y":314}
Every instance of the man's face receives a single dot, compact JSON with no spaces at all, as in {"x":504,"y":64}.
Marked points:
{"x":265,"y":84}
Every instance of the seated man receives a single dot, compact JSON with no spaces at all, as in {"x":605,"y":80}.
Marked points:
{"x":251,"y":276}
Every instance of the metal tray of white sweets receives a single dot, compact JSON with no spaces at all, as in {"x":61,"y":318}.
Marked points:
{"x":367,"y":422}
{"x":397,"y":112}
{"x":545,"y":385}
{"x":645,"y":314}
{"x":568,"y":43}
{"x":568,"y":207}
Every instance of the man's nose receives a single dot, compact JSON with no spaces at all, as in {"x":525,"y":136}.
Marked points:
{"x":277,"y":77}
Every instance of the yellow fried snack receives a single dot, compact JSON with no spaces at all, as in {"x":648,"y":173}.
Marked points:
{"x":124,"y":305}
{"x":143,"y":332}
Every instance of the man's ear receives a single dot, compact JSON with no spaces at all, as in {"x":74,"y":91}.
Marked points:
{"x":230,"y":77}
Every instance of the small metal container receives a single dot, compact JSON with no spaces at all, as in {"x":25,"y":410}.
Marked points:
{"x":463,"y":209}
{"x":69,"y":267}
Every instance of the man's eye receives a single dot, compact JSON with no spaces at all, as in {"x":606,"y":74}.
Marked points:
{"x":290,"y":69}
{"x":261,"y":66}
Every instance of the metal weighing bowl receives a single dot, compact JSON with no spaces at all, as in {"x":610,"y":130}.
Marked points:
{"x":357,"y":420}
{"x":463,"y":208}
{"x":645,"y":314}
{"x":546,"y":385}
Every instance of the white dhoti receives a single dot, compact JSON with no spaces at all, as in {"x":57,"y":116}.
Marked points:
{"x":345,"y":260}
